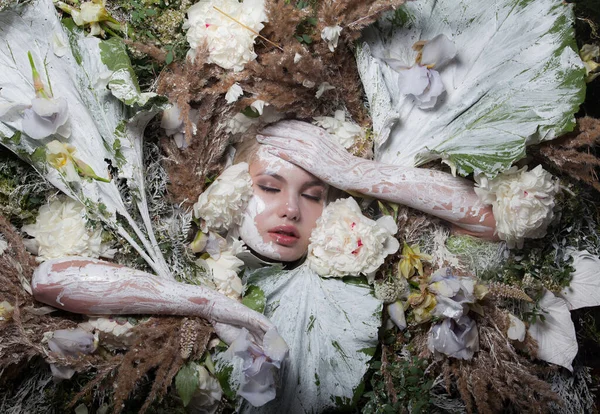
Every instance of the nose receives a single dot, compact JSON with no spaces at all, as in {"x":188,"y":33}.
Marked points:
{"x":290,"y":209}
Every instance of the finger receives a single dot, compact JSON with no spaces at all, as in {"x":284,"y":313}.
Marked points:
{"x":280,"y":154}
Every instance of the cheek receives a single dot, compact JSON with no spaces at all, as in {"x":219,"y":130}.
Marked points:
{"x":312,"y":212}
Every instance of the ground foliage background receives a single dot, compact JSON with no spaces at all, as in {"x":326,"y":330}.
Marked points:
{"x":396,"y":380}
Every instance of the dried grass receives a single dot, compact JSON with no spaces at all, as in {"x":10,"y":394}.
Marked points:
{"x":575,"y":154}
{"x":274,"y":77}
{"x":157,"y":353}
{"x":498,"y":378}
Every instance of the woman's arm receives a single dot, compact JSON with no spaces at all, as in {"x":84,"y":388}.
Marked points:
{"x":91,"y":286}
{"x":433,"y":192}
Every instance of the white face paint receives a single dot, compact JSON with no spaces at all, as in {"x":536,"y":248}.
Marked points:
{"x":286,"y":204}
{"x":249,"y":231}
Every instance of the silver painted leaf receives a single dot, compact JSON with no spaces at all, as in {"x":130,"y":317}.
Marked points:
{"x":102,"y":127}
{"x":516,"y":80}
{"x":330,"y":327}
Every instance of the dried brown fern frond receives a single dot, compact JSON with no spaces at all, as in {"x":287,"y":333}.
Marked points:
{"x":498,"y":376}
{"x":575,"y":154}
{"x":22,"y":330}
{"x":158,"y":351}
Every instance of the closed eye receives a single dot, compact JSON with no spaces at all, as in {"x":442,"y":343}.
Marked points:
{"x":269,"y":189}
{"x":312,"y":197}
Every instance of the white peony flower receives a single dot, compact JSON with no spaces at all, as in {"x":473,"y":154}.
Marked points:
{"x":345,"y":242}
{"x":346,"y":132}
{"x":233,"y":93}
{"x":522,"y":202}
{"x":230,"y":44}
{"x":331,"y":34}
{"x":224,"y":270}
{"x":61,"y":230}
{"x":221,"y":205}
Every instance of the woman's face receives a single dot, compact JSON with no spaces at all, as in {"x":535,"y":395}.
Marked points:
{"x":282,"y":213}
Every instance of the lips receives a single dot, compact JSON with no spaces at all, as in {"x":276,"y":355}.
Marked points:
{"x":284,"y":235}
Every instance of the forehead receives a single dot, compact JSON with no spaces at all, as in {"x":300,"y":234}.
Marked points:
{"x":266,"y":163}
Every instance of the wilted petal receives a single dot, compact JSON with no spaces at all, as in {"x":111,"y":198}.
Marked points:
{"x":72,"y":342}
{"x":584,"y":289}
{"x":171,"y":119}
{"x":555,"y":335}
{"x":438,"y":51}
{"x":516,"y":330}
{"x":413,"y":81}
{"x":233,"y":93}
{"x":396,"y":312}
{"x":275,"y":346}
{"x":428,"y":98}
{"x":45,"y":117}
{"x":457,"y":339}
{"x":258,"y":106}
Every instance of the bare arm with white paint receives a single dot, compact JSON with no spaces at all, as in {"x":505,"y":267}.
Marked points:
{"x":433,"y":192}
{"x":91,"y":286}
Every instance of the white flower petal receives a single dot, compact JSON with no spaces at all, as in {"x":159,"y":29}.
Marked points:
{"x":413,"y":81}
{"x":233,"y":93}
{"x":323,"y":87}
{"x":438,"y":51}
{"x":45,"y":117}
{"x":516,"y":331}
{"x":331,"y":34}
{"x":221,"y":205}
{"x":584,"y":289}
{"x":258,"y":105}
{"x":555,"y":335}
{"x":61,"y":230}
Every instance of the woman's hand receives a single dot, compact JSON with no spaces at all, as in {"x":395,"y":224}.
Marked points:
{"x":312,"y":149}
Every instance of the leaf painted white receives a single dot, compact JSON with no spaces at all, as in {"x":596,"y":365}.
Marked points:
{"x":584,"y":289}
{"x":555,"y":335}
{"x":331,"y":329}
{"x":100,"y":124}
{"x":516,"y":80}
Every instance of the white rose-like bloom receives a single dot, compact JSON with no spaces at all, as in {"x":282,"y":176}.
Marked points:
{"x":346,"y":243}
{"x":224,"y":270}
{"x":230,"y":45}
{"x":522,"y":202}
{"x":61,"y":230}
{"x":331,"y":34}
{"x":345,"y":132}
{"x":221,"y":205}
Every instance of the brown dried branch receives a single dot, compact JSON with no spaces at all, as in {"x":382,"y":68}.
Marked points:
{"x":497,"y":375}
{"x":575,"y":154}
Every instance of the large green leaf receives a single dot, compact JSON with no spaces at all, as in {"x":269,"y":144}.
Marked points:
{"x":516,"y":80}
